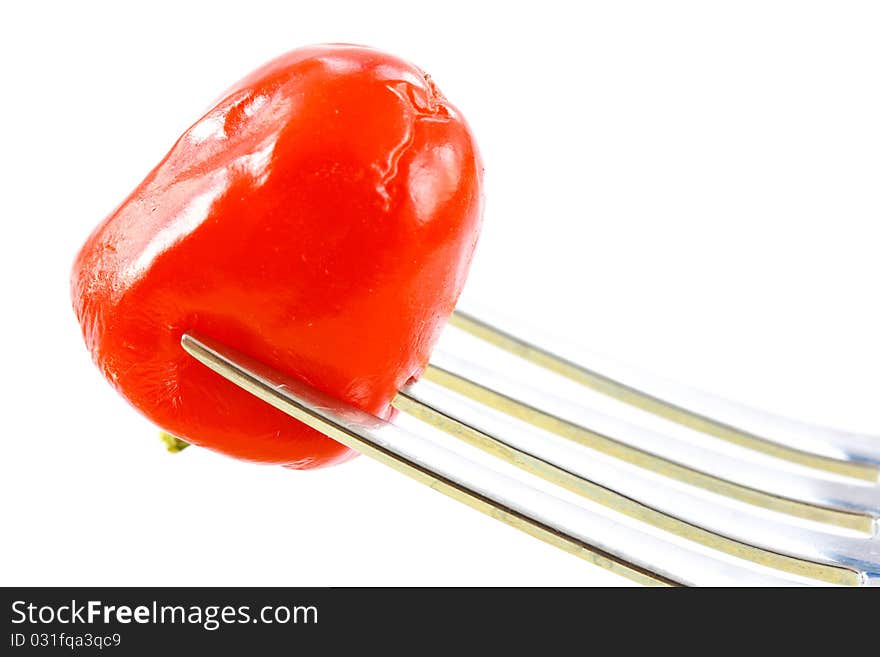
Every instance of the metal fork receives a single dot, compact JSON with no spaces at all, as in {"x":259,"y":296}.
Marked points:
{"x":715,"y":494}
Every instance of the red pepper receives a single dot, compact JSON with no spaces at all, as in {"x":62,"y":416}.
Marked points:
{"x":321,"y":218}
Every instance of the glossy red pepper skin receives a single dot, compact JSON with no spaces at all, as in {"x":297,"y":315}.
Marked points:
{"x":321,"y":217}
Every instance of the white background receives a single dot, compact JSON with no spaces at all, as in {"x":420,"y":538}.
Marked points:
{"x":690,"y":186}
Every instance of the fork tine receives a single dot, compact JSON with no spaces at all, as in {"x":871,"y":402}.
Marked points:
{"x":840,"y":452}
{"x":644,"y":556}
{"x":770,"y":541}
{"x":851,"y":505}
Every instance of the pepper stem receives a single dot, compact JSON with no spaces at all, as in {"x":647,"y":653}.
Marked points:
{"x":172,"y":443}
